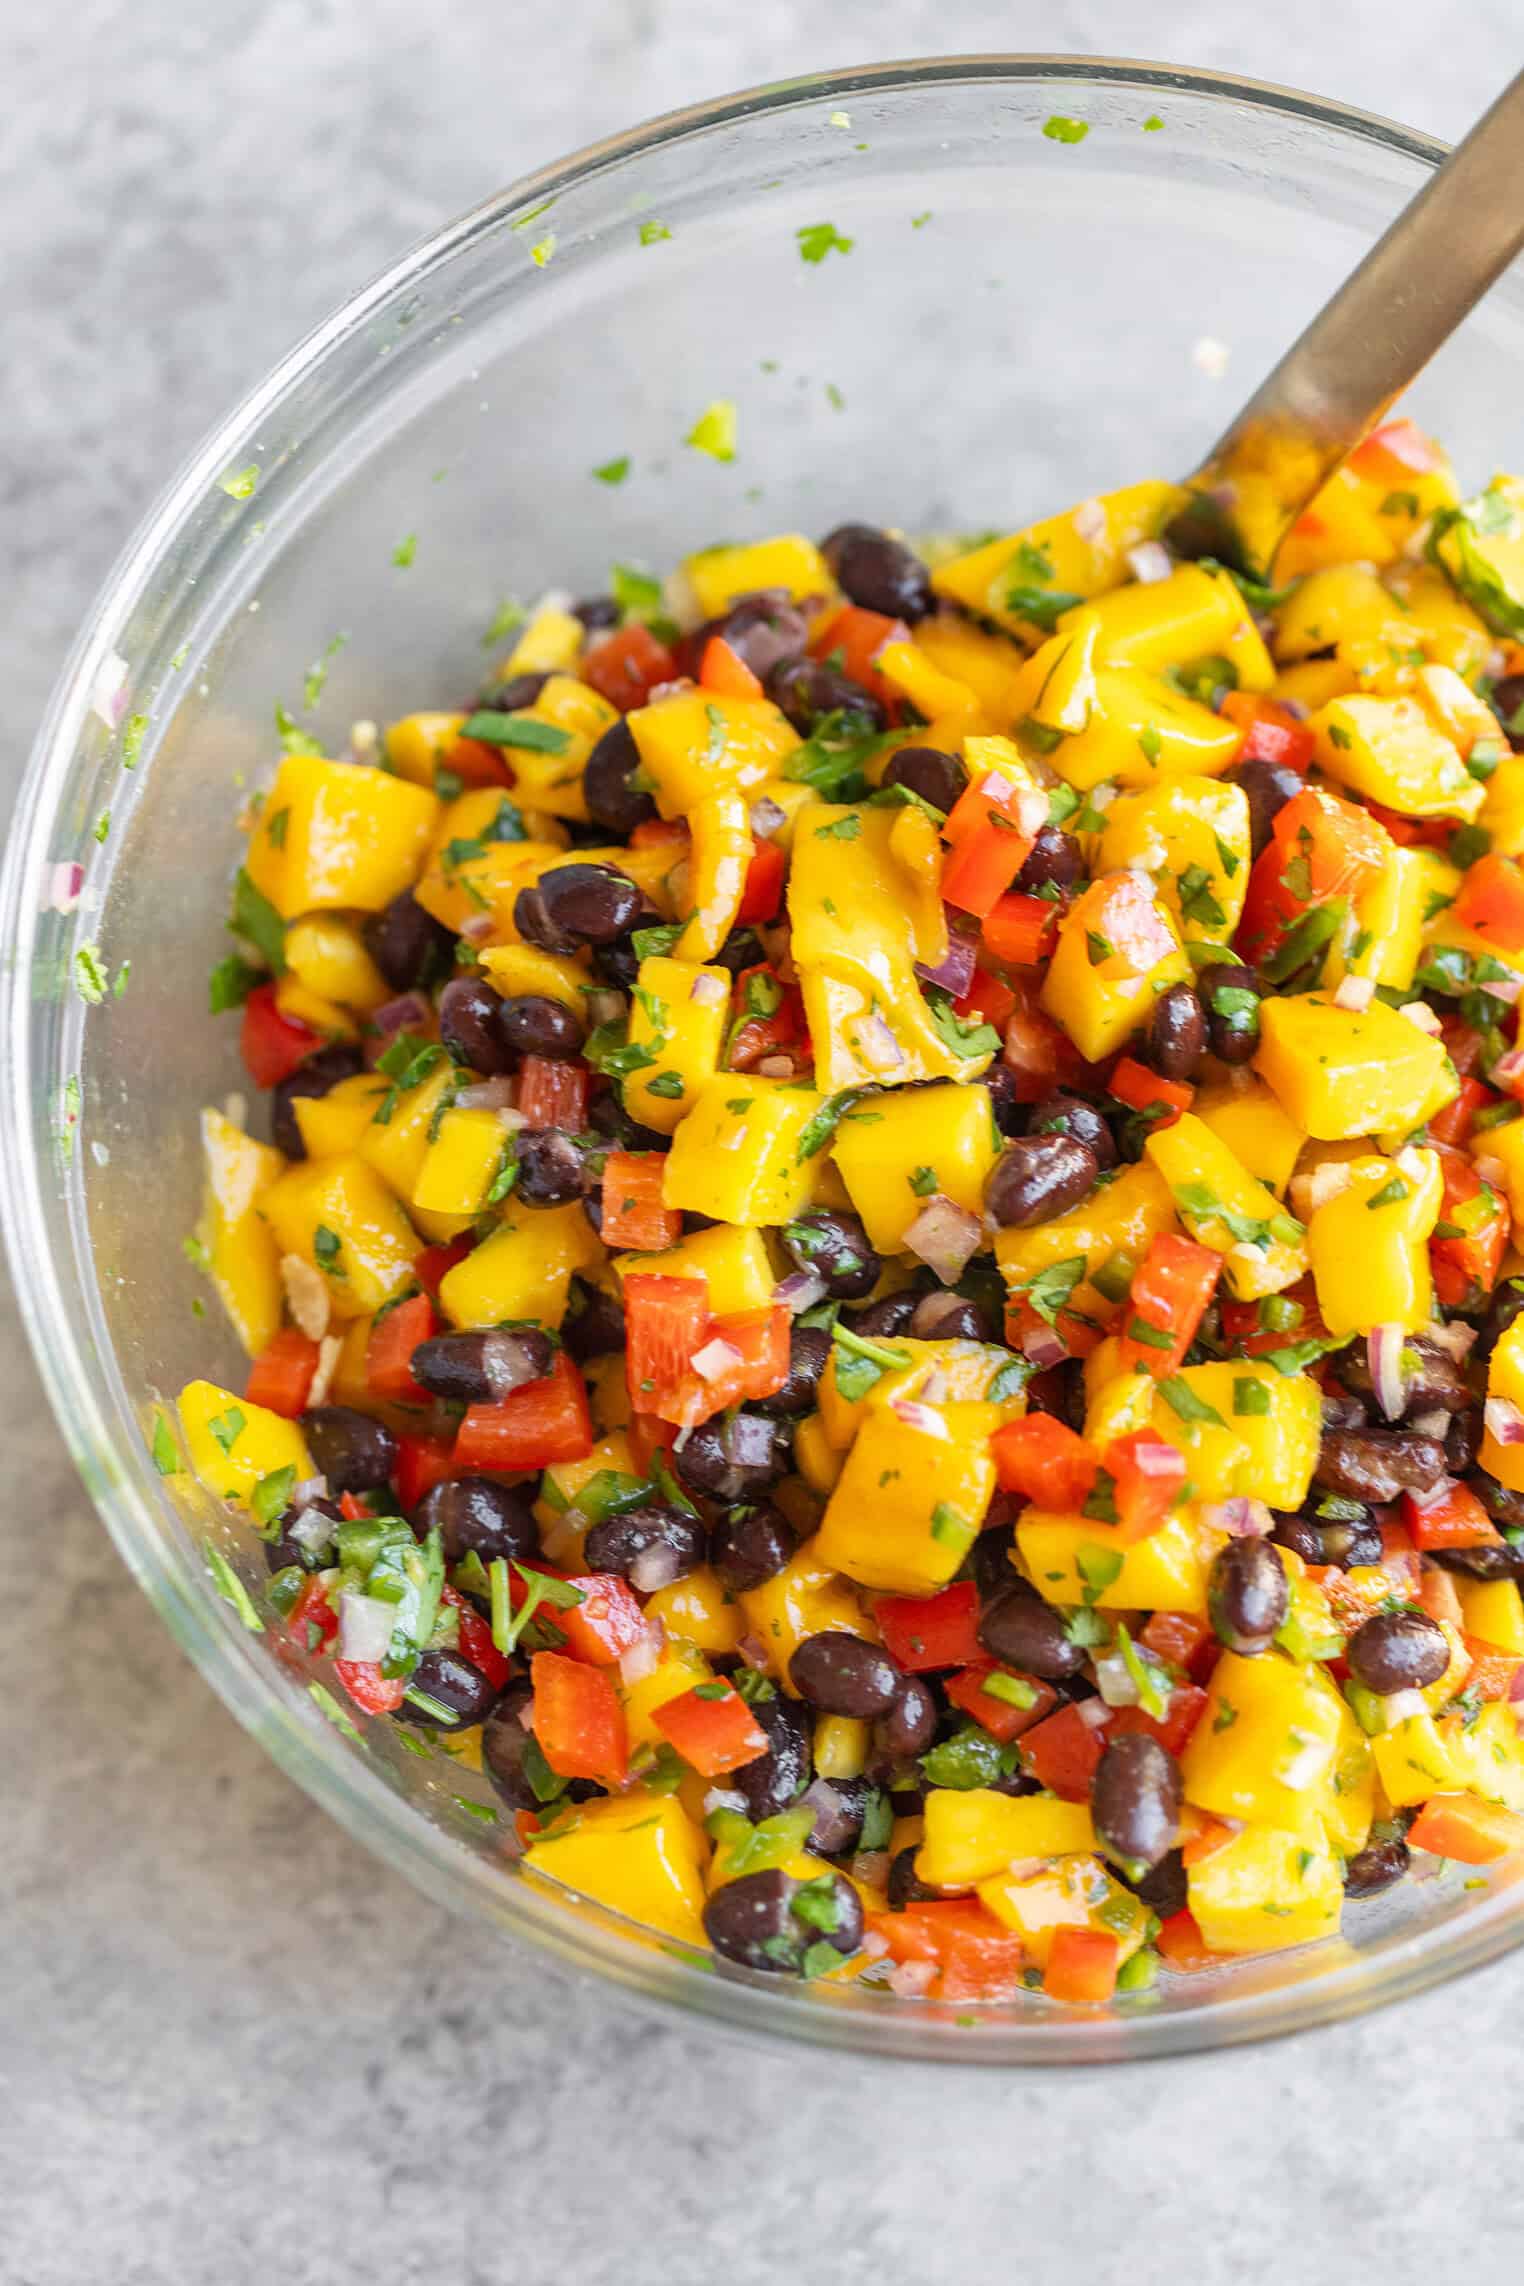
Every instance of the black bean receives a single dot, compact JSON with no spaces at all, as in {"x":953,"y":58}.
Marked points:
{"x":448,"y":1680}
{"x":1232,"y":1024}
{"x":551,"y":1168}
{"x":891,"y":1315}
{"x":937,"y":777}
{"x":743,"y":948}
{"x":808,"y":1349}
{"x":1463,"y":1440}
{"x":736,"y":1456}
{"x":748,"y":1921}
{"x":1177,"y":1033}
{"x":1341,"y":1410}
{"x":1269,"y":786}
{"x":406,"y":943}
{"x":283,"y":1551}
{"x":1247,"y":1595}
{"x":1005,"y":1098}
{"x":904,"y":1886}
{"x":1430,"y":1375}
{"x":533,"y":1024}
{"x":807,"y":691}
{"x":468,"y":1025}
{"x":594,"y":1324}
{"x":612,"y":802}
{"x":910,"y":1724}
{"x":504,"y":1744}
{"x":1022,"y":1631}
{"x":1135,"y":1800}
{"x":1506,"y":1303}
{"x":1061,"y":1392}
{"x":316,"y":1077}
{"x":763,"y":629}
{"x":1038,"y":1177}
{"x":834,"y":1244}
{"x":1071,"y":1115}
{"x":777,"y":1778}
{"x":514,"y":695}
{"x":1165,"y":1888}
{"x":1055,"y":861}
{"x":840,"y":1805}
{"x":1376,"y":1867}
{"x":599,"y":614}
{"x":1502,"y":1503}
{"x":1349,"y":1542}
{"x":1398,"y":1651}
{"x":476,"y":1514}
{"x":588,"y":904}
{"x":750,"y":1545}
{"x":836,"y":1915}
{"x":608,"y":1117}
{"x":354,"y":1452}
{"x":878,"y":572}
{"x":650,"y":1546}
{"x":842,"y":1675}
{"x":531,"y":917}
{"x":948,"y":1317}
{"x":989,"y":1560}
{"x":1482,"y":1563}
{"x":1376,"y":1465}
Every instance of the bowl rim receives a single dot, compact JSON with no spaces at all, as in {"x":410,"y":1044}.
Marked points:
{"x":345,"y":1785}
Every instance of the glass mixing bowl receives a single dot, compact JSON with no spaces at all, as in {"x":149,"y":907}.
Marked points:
{"x":1021,"y":321}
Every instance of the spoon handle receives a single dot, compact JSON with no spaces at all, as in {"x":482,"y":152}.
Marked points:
{"x":1376,"y":335}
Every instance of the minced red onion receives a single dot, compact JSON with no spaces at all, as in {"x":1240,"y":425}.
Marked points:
{"x":1149,"y":562}
{"x":657,"y":1566}
{"x":1092,"y":1713}
{"x":766,"y":817}
{"x":776,"y":1067}
{"x":1435,"y":1495}
{"x":921,"y":1418}
{"x":877,"y":1045}
{"x":1383,"y":1350}
{"x":753,"y":1650}
{"x":954,"y":972}
{"x":1042,"y":1347}
{"x":476,"y":928}
{"x":1114,"y":1682}
{"x":714,"y":1359}
{"x":1089,"y":521}
{"x":61,"y":885}
{"x":311,"y":1488}
{"x":935,"y":1388}
{"x":1243,"y":1518}
{"x":1508,"y":1067}
{"x":672,"y":689}
{"x":310,"y":1529}
{"x":365,"y":1626}
{"x":1503,"y":1421}
{"x":487,"y":1095}
{"x":994,"y":788}
{"x":1032,"y":808}
{"x":1305,"y":1767}
{"x":1434,"y":1423}
{"x":911,"y":1980}
{"x":1420,"y":1013}
{"x":800,"y":1291}
{"x":1505,"y":988}
{"x":1398,"y":1706}
{"x":1457,"y":1337}
{"x":1355,"y":993}
{"x":643,"y":1656}
{"x":724,"y":1798}
{"x":946,"y":1237}
{"x":396,"y":1015}
{"x":108,"y":693}
{"x":709,"y":991}
{"x":526,"y":1715}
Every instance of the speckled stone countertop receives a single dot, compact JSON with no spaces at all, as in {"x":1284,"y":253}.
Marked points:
{"x":231,"y":2047}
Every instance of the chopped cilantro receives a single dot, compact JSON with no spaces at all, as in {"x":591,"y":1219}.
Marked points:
{"x":613,"y":471}
{"x":818,"y":239}
{"x":522,"y":730}
{"x":1058,"y":129}
{"x":1184,"y":1403}
{"x":714,"y":432}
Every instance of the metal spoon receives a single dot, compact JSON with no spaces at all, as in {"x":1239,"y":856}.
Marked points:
{"x":1362,"y":349}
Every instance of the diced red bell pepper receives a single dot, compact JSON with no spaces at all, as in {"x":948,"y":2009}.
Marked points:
{"x":373,"y":1693}
{"x":1082,"y":1967}
{"x":1039,"y":1052}
{"x":725,"y":673}
{"x":1063,"y":1753}
{"x":1164,"y":1100}
{"x":1456,"y":1519}
{"x":634,"y":1218}
{"x":1168,"y":1298}
{"x":993,"y":794}
{"x":389,"y":1351}
{"x":553,"y":1094}
{"x":1184,"y":1640}
{"x":767,"y":1018}
{"x":988,"y":1000}
{"x":1493,"y":1672}
{"x":1470,"y":1831}
{"x":976,"y":1957}
{"x":855,"y":636}
{"x":1395,"y":452}
{"x":606,"y":1623}
{"x":475,"y":1638}
{"x":541,"y":1422}
{"x":661,"y":833}
{"x":923,"y":1633}
{"x":1044,"y":1461}
{"x":280,"y":1378}
{"x":1320,"y":848}
{"x":1119,"y":911}
{"x":1466,"y":1251}
{"x":1173,"y":1727}
{"x":435,"y":1263}
{"x":1272,"y":733}
{"x":1021,"y":930}
{"x":760,"y":1341}
{"x":578,"y":1719}
{"x":627,"y":666}
{"x":1147,"y":1475}
{"x":1491,"y":901}
{"x":1453,"y":1122}
{"x":665,"y":1321}
{"x":1002,"y":1718}
{"x":762,"y":892}
{"x":355,"y":1506}
{"x":981,"y":867}
{"x":273,"y":1046}
{"x":712,"y":1727}
{"x":422,"y":1462}
{"x":312,"y":1609}
{"x":1181,"y":1944}
{"x":1245,"y":1330}
{"x":1074,"y":1328}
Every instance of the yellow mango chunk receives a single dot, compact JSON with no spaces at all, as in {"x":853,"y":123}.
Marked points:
{"x":1223,"y":1206}
{"x":638,"y":1854}
{"x":1494,"y":1612}
{"x":1194,"y":614}
{"x":990,"y":666}
{"x":1056,"y":690}
{"x":1254,"y":1128}
{"x":1267,"y":1740}
{"x":294,"y":1000}
{"x":817,"y":1459}
{"x":338,"y":834}
{"x":327,"y":954}
{"x":1244,"y":1428}
{"x":693,"y":744}
{"x":1069,"y":1560}
{"x":339,"y":1216}
{"x":973,"y":1834}
{"x":1506,"y":1145}
{"x":1368,"y":1244}
{"x":242,"y":1259}
{"x":1342,"y":1072}
{"x":747,"y":1152}
{"x":546,"y":744}
{"x":1141,"y":731}
{"x":896,"y":1152}
{"x":396,"y":1142}
{"x":677,"y":1018}
{"x":334,"y":1123}
{"x":515,"y":970}
{"x":790,"y":561}
{"x":721,"y":852}
{"x":1192,"y":837}
{"x":1486,"y":1754}
{"x":1384,"y":936}
{"x":550,"y":641}
{"x":1023,"y":581}
{"x":1266,"y":1890}
{"x":460,"y":1166}
{"x":808,"y":1597}
{"x":231,"y":1444}
{"x":968,"y":1372}
{"x":698,"y":1610}
{"x":1117,"y":951}
{"x":680,"y":1668}
{"x":1413,"y":1762}
{"x":734,"y":1264}
{"x":1338,"y":604}
{"x":1123,"y":1217}
{"x":911,"y":1498}
{"x":1076,"y":1892}
{"x":1505,"y":1381}
{"x":523,"y":1270}
{"x":1389,"y":750}
{"x":1502,"y":812}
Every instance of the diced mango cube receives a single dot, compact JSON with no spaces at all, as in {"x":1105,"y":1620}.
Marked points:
{"x":1076,"y":1892}
{"x":1345,"y":1072}
{"x":1069,"y":1560}
{"x":1192,"y":837}
{"x":1223,"y":1206}
{"x":896,"y":1152}
{"x":1020,"y":580}
{"x":460,"y":1166}
{"x":734,"y":1264}
{"x":1194,"y":614}
{"x":1117,"y":951}
{"x":1245,"y":1429}
{"x":677,"y":1019}
{"x":1505,"y":1380}
{"x":338,"y":834}
{"x":973,"y":1833}
{"x":523,"y":1270}
{"x":231,"y":1444}
{"x":1368,"y":1244}
{"x":1141,"y":731}
{"x":789,"y":561}
{"x":637,"y":1854}
{"x":1389,"y":750}
{"x":242,"y":1258}
{"x":692,"y":744}
{"x":1264,"y":1890}
{"x":909,"y":1502}
{"x":1250,"y":1121}
{"x":1267,"y":1740}
{"x":744,"y":1152}
{"x":327,"y":954}
{"x":339,"y":1216}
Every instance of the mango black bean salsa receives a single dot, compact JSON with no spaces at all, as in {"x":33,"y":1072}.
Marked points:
{"x":882,"y":1294}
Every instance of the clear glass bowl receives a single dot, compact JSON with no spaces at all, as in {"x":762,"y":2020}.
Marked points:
{"x":1020,"y":321}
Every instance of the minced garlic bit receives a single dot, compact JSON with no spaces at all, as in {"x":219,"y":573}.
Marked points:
{"x":328,"y":1358}
{"x":306,"y":1295}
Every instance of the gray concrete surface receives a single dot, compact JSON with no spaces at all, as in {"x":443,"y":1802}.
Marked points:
{"x":230,"y":2047}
